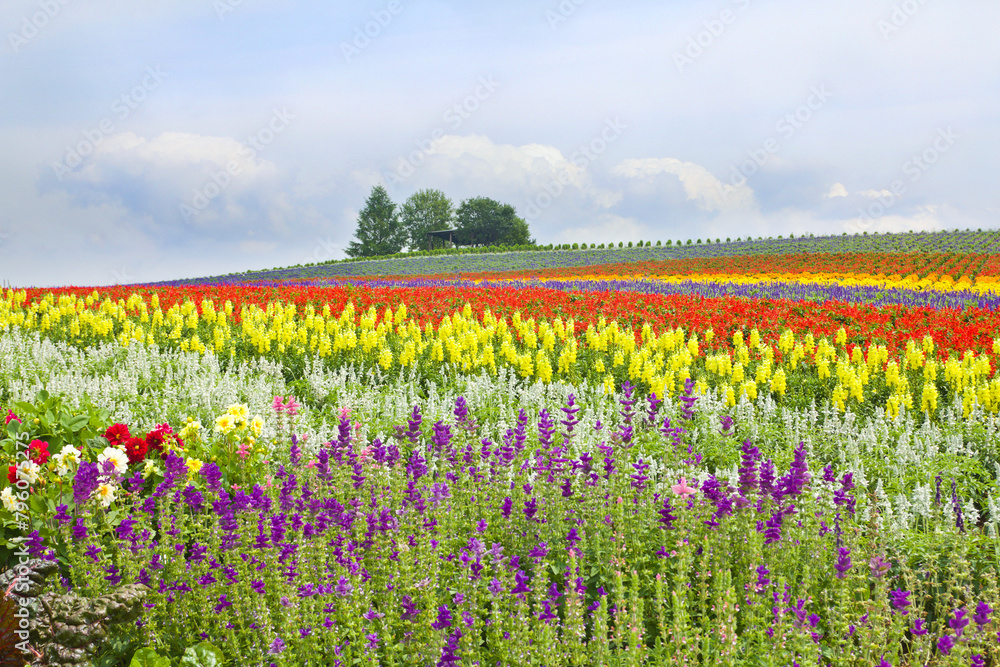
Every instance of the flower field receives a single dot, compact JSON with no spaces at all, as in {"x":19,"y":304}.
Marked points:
{"x":768,"y":458}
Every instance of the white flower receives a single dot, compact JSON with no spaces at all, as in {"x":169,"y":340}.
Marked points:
{"x":116,"y":455}
{"x":28,"y":470}
{"x":10,"y":501}
{"x":106,"y":492}
{"x":67,"y":460}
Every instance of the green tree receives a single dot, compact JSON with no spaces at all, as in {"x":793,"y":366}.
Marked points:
{"x":483,"y":221}
{"x":379,"y":231}
{"x":425,"y":211}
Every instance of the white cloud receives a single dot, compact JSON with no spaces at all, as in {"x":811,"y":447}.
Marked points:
{"x":177,"y":180}
{"x":926,"y":219}
{"x":875,"y":194}
{"x":836,"y":190}
{"x":700,"y":185}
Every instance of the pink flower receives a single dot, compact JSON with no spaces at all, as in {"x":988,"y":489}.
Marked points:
{"x":345,"y":413}
{"x":244,"y":450}
{"x":11,"y":417}
{"x":291,"y":407}
{"x":683,"y":489}
{"x":277,"y":405}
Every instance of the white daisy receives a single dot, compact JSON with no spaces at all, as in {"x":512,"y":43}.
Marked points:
{"x":116,"y":455}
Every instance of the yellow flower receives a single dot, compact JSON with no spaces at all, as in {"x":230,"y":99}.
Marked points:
{"x":149,"y":469}
{"x":257,"y":425}
{"x":193,"y":466}
{"x":225,"y":423}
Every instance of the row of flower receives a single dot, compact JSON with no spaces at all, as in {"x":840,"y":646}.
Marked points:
{"x":919,"y":270}
{"x":765,"y":288}
{"x":540,"y":258}
{"x":564,"y":541}
{"x":821,"y":364}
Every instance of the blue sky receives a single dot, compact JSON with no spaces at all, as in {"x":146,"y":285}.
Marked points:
{"x":178,"y":138}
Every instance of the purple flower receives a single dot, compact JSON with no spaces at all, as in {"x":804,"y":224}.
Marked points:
{"x":344,"y":587}
{"x":213,"y":476}
{"x":878,"y":566}
{"x":884,"y":663}
{"x":277,"y":646}
{"x":918,"y":627}
{"x":959,"y":622}
{"x":945,"y":644}
{"x":494,"y":587}
{"x":977,"y":660}
{"x":79,"y":531}
{"x":539,"y":552}
{"x":443,"y":618}
{"x":61,"y":517}
{"x":748,"y":467}
{"x":762,"y":579}
{"x":85,"y":482}
{"x":843,"y":563}
{"x":900,"y":599}
{"x":223,"y":603}
{"x":546,"y":614}
{"x":520,"y":584}
{"x":410,"y":610}
{"x":982,"y":615}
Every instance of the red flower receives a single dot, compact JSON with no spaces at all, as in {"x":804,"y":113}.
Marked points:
{"x":12,"y":474}
{"x":154,"y":441}
{"x":38,"y":451}
{"x":117,"y":434}
{"x":11,"y":417}
{"x":136,"y":449}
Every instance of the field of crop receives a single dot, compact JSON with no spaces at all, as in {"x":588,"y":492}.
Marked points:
{"x":783,"y":452}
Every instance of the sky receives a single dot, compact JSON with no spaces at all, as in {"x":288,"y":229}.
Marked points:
{"x":167,"y":139}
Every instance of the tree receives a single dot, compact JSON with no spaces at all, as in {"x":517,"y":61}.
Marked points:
{"x":483,"y":221}
{"x":425,"y":211}
{"x":379,"y":231}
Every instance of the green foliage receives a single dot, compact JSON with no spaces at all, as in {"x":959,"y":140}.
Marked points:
{"x":202,"y":654}
{"x":379,"y":230}
{"x":426,"y":211}
{"x":483,"y":221}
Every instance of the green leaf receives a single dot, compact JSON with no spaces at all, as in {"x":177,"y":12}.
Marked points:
{"x":203,"y":654}
{"x":147,"y":657}
{"x":77,"y":423}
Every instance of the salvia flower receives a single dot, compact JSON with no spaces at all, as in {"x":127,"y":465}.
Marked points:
{"x":843,"y":563}
{"x":982,"y":615}
{"x":900,"y":599}
{"x":443,"y":618}
{"x":879,"y":566}
{"x":945,"y":644}
{"x":959,"y":622}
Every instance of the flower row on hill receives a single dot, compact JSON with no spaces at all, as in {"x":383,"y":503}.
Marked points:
{"x":820,"y":362}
